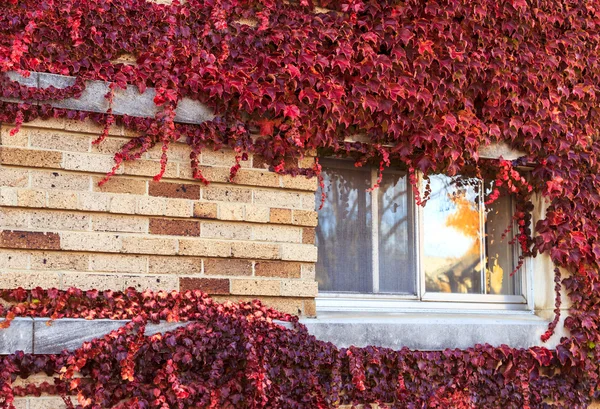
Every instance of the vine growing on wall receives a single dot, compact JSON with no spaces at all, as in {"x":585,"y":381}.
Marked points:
{"x":427,"y":83}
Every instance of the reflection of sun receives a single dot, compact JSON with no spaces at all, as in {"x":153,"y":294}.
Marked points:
{"x":494,"y":277}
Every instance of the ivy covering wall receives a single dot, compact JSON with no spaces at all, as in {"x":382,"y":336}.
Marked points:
{"x":428,"y":83}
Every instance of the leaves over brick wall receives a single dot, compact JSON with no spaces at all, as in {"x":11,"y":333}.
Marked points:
{"x":427,"y":83}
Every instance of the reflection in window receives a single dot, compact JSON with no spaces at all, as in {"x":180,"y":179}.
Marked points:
{"x":463,"y":248}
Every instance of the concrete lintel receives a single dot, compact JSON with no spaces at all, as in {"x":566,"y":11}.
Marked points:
{"x":17,"y":337}
{"x":127,"y":101}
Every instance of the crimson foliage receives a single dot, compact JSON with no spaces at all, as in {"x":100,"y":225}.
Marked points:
{"x":428,"y":83}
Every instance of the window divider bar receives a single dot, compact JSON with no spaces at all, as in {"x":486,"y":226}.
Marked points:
{"x":375,"y":231}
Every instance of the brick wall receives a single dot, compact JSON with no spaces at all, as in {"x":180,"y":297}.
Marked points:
{"x":250,"y":239}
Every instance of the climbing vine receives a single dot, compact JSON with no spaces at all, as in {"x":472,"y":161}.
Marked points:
{"x":427,"y":83}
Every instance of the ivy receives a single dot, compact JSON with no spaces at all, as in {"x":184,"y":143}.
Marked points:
{"x":427,"y":83}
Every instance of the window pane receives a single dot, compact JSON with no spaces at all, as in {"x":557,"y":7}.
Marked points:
{"x":344,"y":232}
{"x":396,"y":268}
{"x":452,"y":236}
{"x":500,"y":254}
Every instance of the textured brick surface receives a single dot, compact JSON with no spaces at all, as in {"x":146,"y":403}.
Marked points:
{"x":174,"y":227}
{"x":59,"y":228}
{"x":278,"y":269}
{"x":29,"y":240}
{"x":208,"y":285}
{"x":178,"y":190}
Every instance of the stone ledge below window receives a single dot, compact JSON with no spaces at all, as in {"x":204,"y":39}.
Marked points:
{"x":415,"y":331}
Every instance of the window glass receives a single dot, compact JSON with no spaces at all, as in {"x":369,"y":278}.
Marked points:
{"x":344,"y":236}
{"x":396,"y":266}
{"x":452,"y":236}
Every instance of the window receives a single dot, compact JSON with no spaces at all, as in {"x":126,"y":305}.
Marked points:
{"x":377,"y":248}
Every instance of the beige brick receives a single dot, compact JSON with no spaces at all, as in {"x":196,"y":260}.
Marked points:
{"x":279,"y":197}
{"x":300,"y":182}
{"x":117,"y":184}
{"x":226,"y":194}
{"x":283,"y":269}
{"x":29,"y":280}
{"x":254,"y":250}
{"x":154,"y":206}
{"x":255,"y":287}
{"x":221,"y":157}
{"x":205,"y":210}
{"x":53,"y":220}
{"x":120,"y":282}
{"x":174,"y":265}
{"x":149,"y":245}
{"x":178,"y":208}
{"x":178,"y":152}
{"x":281,"y":216}
{"x":257,"y":214}
{"x":89,"y":126}
{"x":306,"y":162}
{"x":298,"y":288}
{"x":47,"y":260}
{"x":257,"y":178}
{"x":62,"y":200}
{"x":123,"y":204}
{"x":227,"y":267}
{"x":30,"y":157}
{"x":17,"y":260}
{"x":91,"y":241}
{"x":14,"y":218}
{"x":308,"y":272}
{"x":109,"y":146}
{"x":206,"y":248}
{"x":298,"y":252}
{"x":310,"y":308}
{"x":21,"y":403}
{"x":89,"y":162}
{"x":14,"y":177}
{"x":94,"y":202}
{"x":49,"y":123}
{"x":211,"y":173}
{"x":21,"y":138}
{"x":142,"y":167}
{"x":118,"y":263}
{"x":57,"y":140}
{"x":305,"y":218}
{"x":109,"y":222}
{"x":309,"y":201}
{"x":274,"y":233}
{"x":221,"y":230}
{"x":231,"y":211}
{"x":59,"y":180}
{"x":8,"y":196}
{"x":31,"y":198}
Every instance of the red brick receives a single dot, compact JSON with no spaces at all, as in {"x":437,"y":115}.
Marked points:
{"x":176,"y":190}
{"x":228,"y":267}
{"x":208,"y":285}
{"x":277,"y":269}
{"x":308,"y":235}
{"x":29,"y":240}
{"x":174,"y":227}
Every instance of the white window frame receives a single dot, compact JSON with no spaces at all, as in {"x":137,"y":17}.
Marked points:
{"x":424,"y":301}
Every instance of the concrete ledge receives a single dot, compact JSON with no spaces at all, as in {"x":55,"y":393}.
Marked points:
{"x":428,"y":331}
{"x":415,"y":331}
{"x":127,"y":101}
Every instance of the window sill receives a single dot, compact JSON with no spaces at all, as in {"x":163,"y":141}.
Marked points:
{"x":429,"y":331}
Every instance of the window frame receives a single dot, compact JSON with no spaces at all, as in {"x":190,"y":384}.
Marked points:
{"x":327,"y":301}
